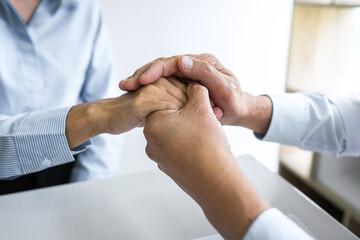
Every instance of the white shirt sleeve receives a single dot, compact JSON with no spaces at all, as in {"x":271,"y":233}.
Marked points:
{"x":349,"y":107}
{"x":316,"y":122}
{"x":274,"y":225}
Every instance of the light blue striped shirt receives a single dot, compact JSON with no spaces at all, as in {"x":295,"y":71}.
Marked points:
{"x":59,"y":59}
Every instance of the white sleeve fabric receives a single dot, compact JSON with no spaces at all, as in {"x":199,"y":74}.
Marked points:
{"x":349,"y":107}
{"x":311,"y":122}
{"x":274,"y":225}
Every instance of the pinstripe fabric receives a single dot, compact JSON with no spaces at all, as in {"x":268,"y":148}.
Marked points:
{"x":32,"y":142}
{"x":54,"y":61}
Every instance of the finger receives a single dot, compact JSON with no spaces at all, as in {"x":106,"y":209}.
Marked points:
{"x":158,"y":105}
{"x":212,"y":103}
{"x":161,"y":68}
{"x":180,"y":84}
{"x":203,"y":72}
{"x":218,"y":112}
{"x":198,"y":96}
{"x":132,"y":82}
{"x":171,"y":99}
{"x":129,"y":84}
{"x":213,"y":61}
{"x":142,"y":124}
{"x":172,"y":90}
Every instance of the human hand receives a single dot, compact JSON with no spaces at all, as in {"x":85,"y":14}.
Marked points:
{"x":176,"y":139}
{"x":121,"y":114}
{"x":131,"y":109}
{"x":223,"y":86}
{"x":232,"y":105}
{"x":190,"y":146}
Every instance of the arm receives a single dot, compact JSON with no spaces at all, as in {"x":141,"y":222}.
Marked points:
{"x":232,"y":105}
{"x":101,"y":158}
{"x":309,"y":121}
{"x":38,"y":140}
{"x":190,"y":147}
{"x":349,"y":108}
{"x":32,"y":142}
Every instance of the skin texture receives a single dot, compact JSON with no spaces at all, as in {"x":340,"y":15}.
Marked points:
{"x":231,"y":105}
{"x":119,"y":115}
{"x":190,"y":146}
{"x":25,"y":8}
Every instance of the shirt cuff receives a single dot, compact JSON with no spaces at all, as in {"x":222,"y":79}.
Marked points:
{"x":282,"y":121}
{"x":274,"y":225}
{"x":81,"y":148}
{"x":41,"y":141}
{"x":349,"y":108}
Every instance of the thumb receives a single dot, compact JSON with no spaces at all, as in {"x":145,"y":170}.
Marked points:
{"x":201,"y":71}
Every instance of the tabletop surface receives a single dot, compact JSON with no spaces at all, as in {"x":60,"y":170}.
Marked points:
{"x":145,"y":205}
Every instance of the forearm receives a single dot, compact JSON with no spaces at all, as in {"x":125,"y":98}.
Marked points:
{"x":258,"y":113}
{"x":227,"y":197}
{"x":82,"y":123}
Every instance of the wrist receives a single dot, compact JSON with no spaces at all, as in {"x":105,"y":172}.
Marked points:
{"x":82,"y":124}
{"x":256,"y":114}
{"x":96,"y":116}
{"x":232,"y":203}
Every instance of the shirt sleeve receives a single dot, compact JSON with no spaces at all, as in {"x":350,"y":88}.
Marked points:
{"x":101,"y":159}
{"x":309,"y":121}
{"x":274,"y":225}
{"x":349,"y":107}
{"x":32,"y":142}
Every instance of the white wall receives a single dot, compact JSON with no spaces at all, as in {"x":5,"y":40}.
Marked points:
{"x":250,"y":37}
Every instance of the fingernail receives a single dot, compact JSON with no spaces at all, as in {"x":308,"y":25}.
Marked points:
{"x":187,"y":63}
{"x":128,"y":79}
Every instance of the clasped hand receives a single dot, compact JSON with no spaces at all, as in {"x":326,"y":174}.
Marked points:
{"x":181,"y":141}
{"x":189,"y":143}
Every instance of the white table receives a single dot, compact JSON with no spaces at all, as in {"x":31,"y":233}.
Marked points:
{"x":142,"y":206}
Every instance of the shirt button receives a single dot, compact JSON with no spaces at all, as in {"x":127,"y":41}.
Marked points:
{"x":47,"y":163}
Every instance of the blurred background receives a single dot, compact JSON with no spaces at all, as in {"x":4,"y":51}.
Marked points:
{"x":325,"y":58}
{"x":272,"y":47}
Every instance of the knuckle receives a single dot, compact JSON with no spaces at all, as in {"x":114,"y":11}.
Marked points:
{"x":161,"y":80}
{"x":200,"y":88}
{"x":208,"y":68}
{"x":211,"y":59}
{"x":208,"y":55}
{"x":148,"y":152}
{"x":151,"y":129}
{"x":160,"y":167}
{"x":159,"y":59}
{"x":148,"y":89}
{"x":139,"y":71}
{"x":146,"y":131}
